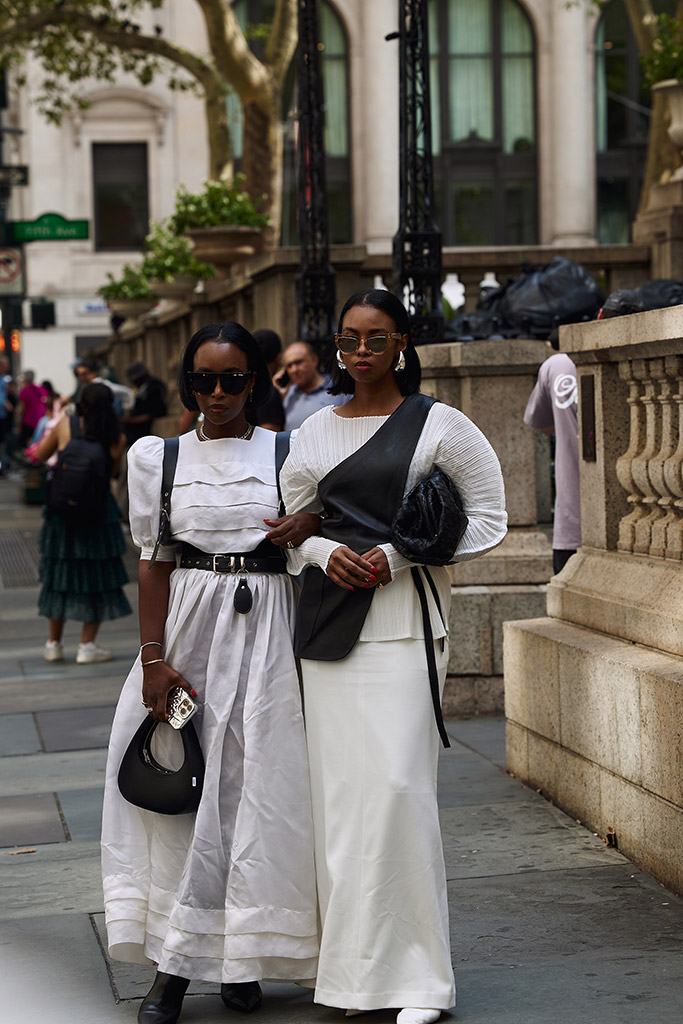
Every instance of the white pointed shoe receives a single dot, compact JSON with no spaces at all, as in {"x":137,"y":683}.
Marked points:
{"x":417,"y":1015}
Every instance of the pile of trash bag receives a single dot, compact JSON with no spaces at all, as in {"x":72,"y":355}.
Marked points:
{"x":656,"y":294}
{"x":533,"y":304}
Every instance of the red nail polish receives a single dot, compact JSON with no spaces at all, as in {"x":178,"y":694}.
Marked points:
{"x":267,"y":536}
{"x":193,"y":692}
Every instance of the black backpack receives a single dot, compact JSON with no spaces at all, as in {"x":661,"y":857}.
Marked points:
{"x":78,"y":485}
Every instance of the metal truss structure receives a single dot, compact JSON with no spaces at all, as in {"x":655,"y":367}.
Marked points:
{"x":315,"y":281}
{"x":416,"y":262}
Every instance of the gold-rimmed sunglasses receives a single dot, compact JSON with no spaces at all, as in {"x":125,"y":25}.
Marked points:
{"x":376,"y":341}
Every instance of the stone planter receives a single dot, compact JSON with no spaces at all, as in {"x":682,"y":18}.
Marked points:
{"x":225,"y":245}
{"x":181,"y":287}
{"x":131,"y":308}
{"x":672,"y":88}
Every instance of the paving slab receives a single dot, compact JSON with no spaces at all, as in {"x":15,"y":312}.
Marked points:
{"x":60,"y":691}
{"x":18,"y":734}
{"x":504,"y":839}
{"x":67,"y":770}
{"x":79,"y":728}
{"x":30,"y":819}
{"x":82,"y":812}
{"x":62,"y":878}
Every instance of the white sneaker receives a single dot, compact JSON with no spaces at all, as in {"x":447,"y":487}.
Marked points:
{"x":90,"y":652}
{"x":54,"y":650}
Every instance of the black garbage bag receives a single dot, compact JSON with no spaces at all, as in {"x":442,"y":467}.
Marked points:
{"x":542,"y":298}
{"x":661,"y":292}
{"x":476,"y":327}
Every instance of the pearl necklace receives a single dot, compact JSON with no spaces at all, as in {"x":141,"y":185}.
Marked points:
{"x":240,"y":437}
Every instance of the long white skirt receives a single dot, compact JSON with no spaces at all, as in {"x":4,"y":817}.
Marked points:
{"x":227,"y":894}
{"x":373,"y":750}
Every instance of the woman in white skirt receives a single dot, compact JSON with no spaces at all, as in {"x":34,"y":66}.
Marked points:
{"x":370,"y":717}
{"x":226,"y":894}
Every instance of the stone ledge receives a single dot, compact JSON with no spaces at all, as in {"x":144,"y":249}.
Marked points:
{"x":632,"y":597}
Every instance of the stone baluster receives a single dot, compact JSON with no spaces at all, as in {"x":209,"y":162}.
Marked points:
{"x":667,"y":372}
{"x":624,"y":463}
{"x":673,"y":469}
{"x":651,"y":372}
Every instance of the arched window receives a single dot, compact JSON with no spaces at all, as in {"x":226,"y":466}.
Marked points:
{"x":334,"y":70}
{"x":622,"y":120}
{"x":483,"y":122}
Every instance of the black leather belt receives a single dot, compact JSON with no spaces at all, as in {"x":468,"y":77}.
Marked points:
{"x":230,"y":564}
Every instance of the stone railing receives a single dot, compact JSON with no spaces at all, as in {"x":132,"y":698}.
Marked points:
{"x":262,"y":292}
{"x":594,"y":691}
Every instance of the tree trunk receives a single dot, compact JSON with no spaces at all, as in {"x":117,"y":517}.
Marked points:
{"x":262,"y":160}
{"x":218,"y":135}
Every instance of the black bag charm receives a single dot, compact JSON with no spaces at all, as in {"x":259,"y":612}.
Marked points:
{"x":243,"y":599}
{"x":148,"y":784}
{"x":430,"y":521}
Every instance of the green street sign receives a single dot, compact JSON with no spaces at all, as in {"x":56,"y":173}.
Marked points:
{"x":49,"y":227}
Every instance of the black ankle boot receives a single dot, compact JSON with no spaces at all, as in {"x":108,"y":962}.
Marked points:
{"x":163,"y":1002}
{"x":244,"y":996}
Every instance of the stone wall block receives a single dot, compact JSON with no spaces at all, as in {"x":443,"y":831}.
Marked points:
{"x":572,"y":782}
{"x":517,"y":750}
{"x":509,"y":604}
{"x":532,"y":686}
{"x":600,"y":704}
{"x":470,"y":632}
{"x":661,"y":700}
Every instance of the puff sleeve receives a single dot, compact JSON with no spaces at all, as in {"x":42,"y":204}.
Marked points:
{"x":145,"y":460}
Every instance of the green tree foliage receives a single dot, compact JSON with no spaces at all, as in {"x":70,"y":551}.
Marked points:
{"x":73,"y":41}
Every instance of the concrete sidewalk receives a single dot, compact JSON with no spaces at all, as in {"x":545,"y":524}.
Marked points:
{"x":548,"y":925}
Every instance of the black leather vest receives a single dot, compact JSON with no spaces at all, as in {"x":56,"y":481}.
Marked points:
{"x":360,"y":497}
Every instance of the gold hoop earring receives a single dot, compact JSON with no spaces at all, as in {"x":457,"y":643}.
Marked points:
{"x":401,"y":364}
{"x":340,"y":361}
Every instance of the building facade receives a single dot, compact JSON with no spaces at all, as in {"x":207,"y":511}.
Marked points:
{"x":539,"y":134}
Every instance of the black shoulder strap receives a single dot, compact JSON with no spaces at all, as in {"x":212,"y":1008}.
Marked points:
{"x":429,"y":644}
{"x":282,"y":439}
{"x":75,"y":424}
{"x":167,"y":476}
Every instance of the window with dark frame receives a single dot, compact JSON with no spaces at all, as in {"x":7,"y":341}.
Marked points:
{"x":120,"y":195}
{"x":483,"y":96}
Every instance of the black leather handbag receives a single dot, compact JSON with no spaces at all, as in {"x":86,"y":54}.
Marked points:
{"x":148,"y":784}
{"x":430,"y":521}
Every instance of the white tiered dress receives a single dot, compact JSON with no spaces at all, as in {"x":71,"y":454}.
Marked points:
{"x":228,"y":894}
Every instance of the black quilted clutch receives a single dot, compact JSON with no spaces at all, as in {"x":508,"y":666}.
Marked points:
{"x":430,"y":522}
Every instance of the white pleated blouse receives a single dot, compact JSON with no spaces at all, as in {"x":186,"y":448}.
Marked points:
{"x":235,"y":476}
{"x":449,"y":442}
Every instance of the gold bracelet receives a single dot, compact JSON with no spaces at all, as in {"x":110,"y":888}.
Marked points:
{"x":154,"y":661}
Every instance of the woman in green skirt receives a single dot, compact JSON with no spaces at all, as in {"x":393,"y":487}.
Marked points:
{"x":81,"y":570}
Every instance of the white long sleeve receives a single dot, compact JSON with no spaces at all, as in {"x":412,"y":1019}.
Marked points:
{"x":450,"y":442}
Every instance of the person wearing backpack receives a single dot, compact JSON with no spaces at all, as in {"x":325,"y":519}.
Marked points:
{"x":81,"y":542}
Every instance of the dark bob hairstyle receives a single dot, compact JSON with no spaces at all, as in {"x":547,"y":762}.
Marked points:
{"x":408,"y":380}
{"x":232,"y":333}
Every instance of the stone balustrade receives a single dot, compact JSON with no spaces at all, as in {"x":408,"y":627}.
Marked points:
{"x":594,"y":690}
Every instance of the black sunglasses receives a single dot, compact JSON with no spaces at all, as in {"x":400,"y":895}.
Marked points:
{"x":232,"y":382}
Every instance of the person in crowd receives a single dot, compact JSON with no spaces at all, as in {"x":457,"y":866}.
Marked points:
{"x":87,"y":371}
{"x":81,"y":567}
{"x":6,"y":412}
{"x":308,"y":387}
{"x":553,"y":409}
{"x":370,"y":716}
{"x":270,"y":414}
{"x":149,"y":404}
{"x":30,"y":407}
{"x":226,"y":894}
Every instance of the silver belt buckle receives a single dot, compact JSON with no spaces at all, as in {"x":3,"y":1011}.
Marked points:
{"x":223,"y":572}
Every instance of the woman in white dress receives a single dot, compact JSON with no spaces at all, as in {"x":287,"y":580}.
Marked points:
{"x":370,"y":718}
{"x":227,"y":894}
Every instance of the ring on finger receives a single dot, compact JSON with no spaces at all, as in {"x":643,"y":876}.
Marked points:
{"x":290,"y":544}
